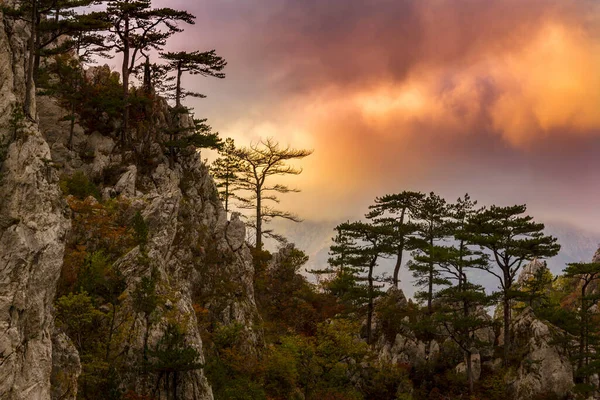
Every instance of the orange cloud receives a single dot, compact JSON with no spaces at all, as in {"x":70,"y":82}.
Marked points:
{"x":470,"y":95}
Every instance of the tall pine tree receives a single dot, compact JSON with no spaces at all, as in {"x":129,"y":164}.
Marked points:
{"x":396,"y":210}
{"x":513,"y":239}
{"x":225,"y":171}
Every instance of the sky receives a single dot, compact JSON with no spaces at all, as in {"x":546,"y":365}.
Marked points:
{"x":497,"y":98}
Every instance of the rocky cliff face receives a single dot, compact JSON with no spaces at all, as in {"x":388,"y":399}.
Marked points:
{"x":545,"y":368}
{"x":199,"y":256}
{"x":33,"y":227}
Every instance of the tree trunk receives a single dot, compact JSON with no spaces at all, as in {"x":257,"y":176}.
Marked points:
{"x":430,"y":288}
{"x":469,"y":370}
{"x":30,"y":62}
{"x":37,"y":57}
{"x":258,"y":221}
{"x":227,"y":192}
{"x":396,"y":280}
{"x":125,"y":72}
{"x":371,"y":295}
{"x":178,"y":88}
{"x":582,"y":330}
{"x":398,"y":265}
{"x":506,"y":305}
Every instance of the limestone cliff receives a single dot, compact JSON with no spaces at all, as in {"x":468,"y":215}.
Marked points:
{"x":200,"y":258}
{"x":33,"y":227}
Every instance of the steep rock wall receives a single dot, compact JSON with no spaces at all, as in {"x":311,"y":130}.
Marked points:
{"x":33,"y":226}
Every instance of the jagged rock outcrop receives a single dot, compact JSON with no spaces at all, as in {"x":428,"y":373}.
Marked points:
{"x":529,"y":271}
{"x":404,"y":347}
{"x":545,"y":368}
{"x":201,"y":259}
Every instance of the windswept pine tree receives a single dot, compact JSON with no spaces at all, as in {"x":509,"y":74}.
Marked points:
{"x":431,"y":231}
{"x":135,"y":29}
{"x":362,"y":247}
{"x":53,"y":25}
{"x":462,"y":304}
{"x":206,"y":63}
{"x":513,"y":239}
{"x":260,"y":162}
{"x":396,"y":210}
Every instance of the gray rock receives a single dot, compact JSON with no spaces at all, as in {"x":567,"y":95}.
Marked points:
{"x":236,"y":232}
{"x":32,"y":236}
{"x":475,"y":366}
{"x":126,"y":184}
{"x":530,"y":270}
{"x":66,"y":368}
{"x":545,"y":368}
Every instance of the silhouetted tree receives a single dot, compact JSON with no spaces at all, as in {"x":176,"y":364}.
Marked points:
{"x":512,"y":239}
{"x":396,"y":210}
{"x":136,"y":27}
{"x":196,"y":63}
{"x":431,"y":216}
{"x":260,"y":162}
{"x":363,"y":246}
{"x":225,"y":170}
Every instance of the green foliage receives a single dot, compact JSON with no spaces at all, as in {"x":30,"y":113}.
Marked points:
{"x":145,"y":298}
{"x":397,"y":211}
{"x":80,"y":186}
{"x":288,"y":302}
{"x":536,"y":287}
{"x":171,"y":354}
{"x":493,"y":387}
{"x":357,"y":253}
{"x":77,"y":316}
{"x":225,"y":172}
{"x":140,"y":229}
{"x":513,"y":239}
{"x":587,"y":359}
{"x":196,"y":63}
{"x":232,"y":372}
{"x":430,"y":233}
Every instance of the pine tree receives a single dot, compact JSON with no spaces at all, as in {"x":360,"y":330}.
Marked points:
{"x":364,"y":245}
{"x":396,"y":210}
{"x":512,"y":239}
{"x":135,"y":29}
{"x":533,"y":290}
{"x":196,"y":63}
{"x":342,"y":273}
{"x":225,"y":170}
{"x":260,"y":162}
{"x":461,"y":313}
{"x":49,"y":22}
{"x":586,"y":273}
{"x":431,"y":230}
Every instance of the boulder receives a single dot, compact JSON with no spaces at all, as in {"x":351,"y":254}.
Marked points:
{"x":545,"y":368}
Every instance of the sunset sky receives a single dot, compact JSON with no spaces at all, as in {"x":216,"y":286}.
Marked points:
{"x":498,"y":98}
